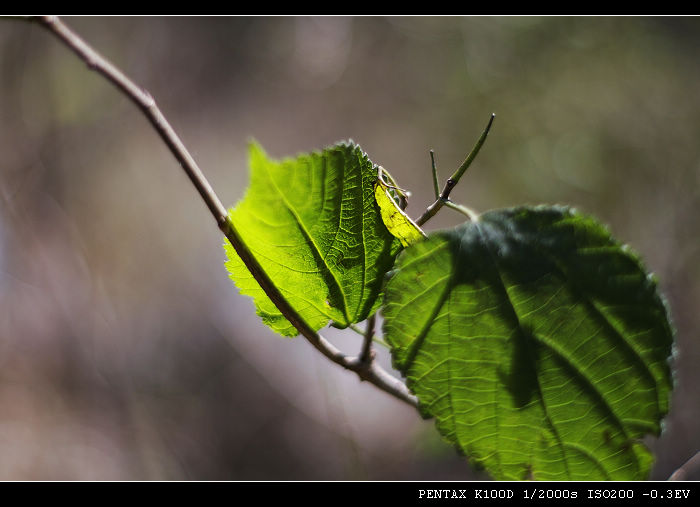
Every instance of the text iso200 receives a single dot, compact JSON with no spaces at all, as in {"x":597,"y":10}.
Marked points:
{"x":610,"y":493}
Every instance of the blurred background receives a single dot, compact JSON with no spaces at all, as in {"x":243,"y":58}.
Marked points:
{"x":126,"y":352}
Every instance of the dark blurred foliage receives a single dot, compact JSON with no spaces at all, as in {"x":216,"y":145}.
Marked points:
{"x":126,"y":353}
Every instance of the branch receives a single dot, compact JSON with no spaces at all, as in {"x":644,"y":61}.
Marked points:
{"x":686,"y":469}
{"x":436,"y":184}
{"x":366,"y":356}
{"x":454,"y":179}
{"x":370,"y":372}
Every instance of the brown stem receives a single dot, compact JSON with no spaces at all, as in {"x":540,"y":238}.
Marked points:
{"x":144,"y":101}
{"x":366,"y":355}
{"x":454,"y":179}
{"x":686,"y":469}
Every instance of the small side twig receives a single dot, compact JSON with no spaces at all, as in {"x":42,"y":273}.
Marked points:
{"x":436,"y":181}
{"x":145,"y":102}
{"x":686,"y":469}
{"x":454,"y":179}
{"x":366,"y":356}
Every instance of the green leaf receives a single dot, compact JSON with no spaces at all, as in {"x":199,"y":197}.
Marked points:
{"x":394,"y":218}
{"x":314,"y":226}
{"x":538,"y":343}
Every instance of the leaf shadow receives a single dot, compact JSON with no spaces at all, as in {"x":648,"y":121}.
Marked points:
{"x":520,"y":379}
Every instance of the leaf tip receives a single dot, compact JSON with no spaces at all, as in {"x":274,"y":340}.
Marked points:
{"x":255,"y":148}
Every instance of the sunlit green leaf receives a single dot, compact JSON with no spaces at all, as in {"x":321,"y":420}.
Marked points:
{"x":538,"y":343}
{"x":395,"y":220}
{"x":313,"y":224}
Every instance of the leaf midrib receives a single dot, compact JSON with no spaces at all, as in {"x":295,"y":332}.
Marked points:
{"x":308,"y":236}
{"x":500,"y":280}
{"x":563,"y":355}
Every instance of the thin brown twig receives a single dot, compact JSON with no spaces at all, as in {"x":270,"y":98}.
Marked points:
{"x":370,"y":372}
{"x":366,"y":355}
{"x":452,"y":181}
